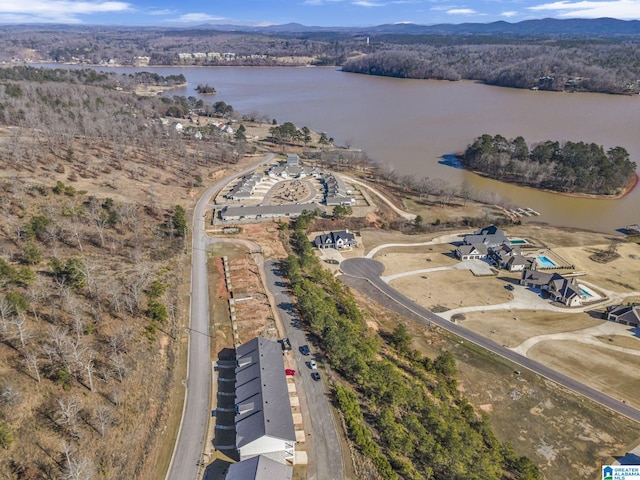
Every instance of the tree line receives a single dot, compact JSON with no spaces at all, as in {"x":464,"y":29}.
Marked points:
{"x":573,"y":167}
{"x":402,"y":410}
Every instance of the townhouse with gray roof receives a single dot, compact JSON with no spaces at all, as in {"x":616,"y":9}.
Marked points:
{"x":245,"y":187}
{"x":264,"y":422}
{"x":259,"y":468}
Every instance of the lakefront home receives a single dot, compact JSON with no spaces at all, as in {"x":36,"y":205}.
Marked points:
{"x":560,"y":289}
{"x":510,"y":258}
{"x":490,"y":236}
{"x":472,"y":252}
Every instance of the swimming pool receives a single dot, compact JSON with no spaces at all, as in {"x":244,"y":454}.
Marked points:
{"x":518,"y":241}
{"x":545,"y":262}
{"x":585,"y":293}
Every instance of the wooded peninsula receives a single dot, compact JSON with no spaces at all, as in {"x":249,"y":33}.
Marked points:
{"x":569,"y":167}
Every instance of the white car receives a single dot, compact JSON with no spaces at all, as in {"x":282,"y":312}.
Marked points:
{"x":313,"y":365}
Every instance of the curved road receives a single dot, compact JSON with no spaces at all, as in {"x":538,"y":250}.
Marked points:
{"x":371,"y":269}
{"x":187,"y":453}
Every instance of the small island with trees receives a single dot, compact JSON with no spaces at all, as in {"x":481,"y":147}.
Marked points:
{"x":570,"y":167}
{"x":205,"y":89}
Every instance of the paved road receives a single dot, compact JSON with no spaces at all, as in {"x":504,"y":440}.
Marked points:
{"x":324,"y":446}
{"x":187,"y":453}
{"x":371,"y":270}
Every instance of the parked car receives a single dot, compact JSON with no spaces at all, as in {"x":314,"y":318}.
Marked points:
{"x":509,"y":287}
{"x":313,"y":365}
{"x":290,"y":372}
{"x":286,"y":344}
{"x":304,"y":349}
{"x":315,"y":376}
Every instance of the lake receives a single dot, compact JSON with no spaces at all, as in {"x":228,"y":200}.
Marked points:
{"x":410,"y":124}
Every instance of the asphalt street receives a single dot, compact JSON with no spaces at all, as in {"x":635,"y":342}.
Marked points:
{"x":323,"y":444}
{"x":371,"y":270}
{"x":188,"y":451}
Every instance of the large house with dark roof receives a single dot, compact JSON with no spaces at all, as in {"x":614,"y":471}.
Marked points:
{"x":490,"y":236}
{"x":264,"y":422}
{"x":625,"y":314}
{"x":336,"y":240}
{"x":509,"y":257}
{"x":472,"y":252}
{"x":560,"y":289}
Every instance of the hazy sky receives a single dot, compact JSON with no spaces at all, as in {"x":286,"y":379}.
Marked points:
{"x":307,"y":12}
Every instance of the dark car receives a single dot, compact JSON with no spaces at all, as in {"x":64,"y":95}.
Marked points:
{"x":286,"y":344}
{"x":509,"y":287}
{"x":304,"y":349}
{"x":315,"y":376}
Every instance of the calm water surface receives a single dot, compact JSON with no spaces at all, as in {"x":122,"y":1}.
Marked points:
{"x":410,"y":124}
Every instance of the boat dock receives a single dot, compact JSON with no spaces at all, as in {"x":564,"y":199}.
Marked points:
{"x":519,"y":212}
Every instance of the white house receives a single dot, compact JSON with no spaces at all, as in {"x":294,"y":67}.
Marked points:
{"x":471,"y":252}
{"x":337,"y":240}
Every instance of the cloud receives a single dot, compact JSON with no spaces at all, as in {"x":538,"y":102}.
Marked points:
{"x":56,"y":11}
{"x":364,"y":3}
{"x":621,"y":9}
{"x":461,"y":11}
{"x":166,"y":11}
{"x":198,"y":17}
{"x":320,"y":2}
{"x":509,"y":14}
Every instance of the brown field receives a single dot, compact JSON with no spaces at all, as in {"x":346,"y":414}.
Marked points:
{"x":452,"y":289}
{"x":617,"y":275}
{"x":632,"y":343}
{"x":396,"y":260}
{"x":572,"y":358}
{"x":511,"y":328}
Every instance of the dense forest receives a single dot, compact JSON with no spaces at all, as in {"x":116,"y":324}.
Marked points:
{"x":403,"y":411}
{"x":572,"y":167}
{"x":93,"y":189}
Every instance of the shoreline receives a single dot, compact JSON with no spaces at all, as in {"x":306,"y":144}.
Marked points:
{"x":626,"y":190}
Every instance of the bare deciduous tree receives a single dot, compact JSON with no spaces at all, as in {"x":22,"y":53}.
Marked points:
{"x":104,"y":417}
